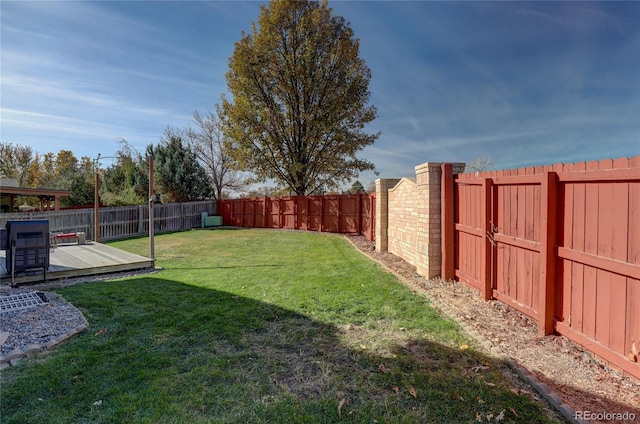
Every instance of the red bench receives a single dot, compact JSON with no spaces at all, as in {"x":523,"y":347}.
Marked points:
{"x":68,"y":238}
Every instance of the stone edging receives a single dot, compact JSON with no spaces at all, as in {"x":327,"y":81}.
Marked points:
{"x":12,"y":358}
{"x":552,"y":398}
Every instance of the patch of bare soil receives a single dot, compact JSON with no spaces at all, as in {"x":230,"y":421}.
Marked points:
{"x":582,"y":381}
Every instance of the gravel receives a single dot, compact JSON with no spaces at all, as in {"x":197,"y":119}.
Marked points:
{"x":40,"y":324}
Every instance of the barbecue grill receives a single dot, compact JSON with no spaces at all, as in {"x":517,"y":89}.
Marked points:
{"x":27,"y":246}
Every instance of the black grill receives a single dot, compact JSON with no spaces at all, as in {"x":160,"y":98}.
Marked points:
{"x":28,"y":246}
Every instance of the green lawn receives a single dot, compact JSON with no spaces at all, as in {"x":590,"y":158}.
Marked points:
{"x":259,"y":326}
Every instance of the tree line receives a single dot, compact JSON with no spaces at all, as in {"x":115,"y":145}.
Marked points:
{"x":295,"y":114}
{"x":189,"y":164}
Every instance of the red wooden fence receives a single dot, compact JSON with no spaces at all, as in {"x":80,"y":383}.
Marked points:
{"x":345,"y":213}
{"x":560,"y":243}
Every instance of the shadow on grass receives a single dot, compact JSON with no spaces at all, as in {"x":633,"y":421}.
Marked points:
{"x":160,"y":351}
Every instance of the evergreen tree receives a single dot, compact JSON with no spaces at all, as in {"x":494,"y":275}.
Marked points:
{"x":178,"y":175}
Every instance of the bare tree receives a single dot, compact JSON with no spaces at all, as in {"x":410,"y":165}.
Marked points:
{"x":206,"y":140}
{"x":480,"y":164}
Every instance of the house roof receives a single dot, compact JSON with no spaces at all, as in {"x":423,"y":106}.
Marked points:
{"x":35,"y":192}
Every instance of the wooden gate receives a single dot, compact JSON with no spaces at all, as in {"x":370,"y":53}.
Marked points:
{"x":500,"y":245}
{"x":560,"y":244}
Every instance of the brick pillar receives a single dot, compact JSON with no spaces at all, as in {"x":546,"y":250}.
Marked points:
{"x":382,"y":211}
{"x":429,"y":233}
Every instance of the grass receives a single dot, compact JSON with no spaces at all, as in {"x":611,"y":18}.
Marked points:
{"x":253,"y":326}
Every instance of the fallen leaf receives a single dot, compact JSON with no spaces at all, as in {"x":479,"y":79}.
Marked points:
{"x":490,"y":384}
{"x":383,"y":368}
{"x":479,"y":368}
{"x":478,"y":417}
{"x":413,"y":392}
{"x":515,"y":391}
{"x":101,"y":331}
{"x":340,"y":405}
{"x":489,"y":417}
{"x":456,"y":395}
{"x":500,"y":416}
{"x":513,"y":411}
{"x":480,"y":401}
{"x":464,"y":347}
{"x":396,"y":389}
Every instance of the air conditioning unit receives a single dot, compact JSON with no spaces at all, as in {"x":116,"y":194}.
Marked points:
{"x":211,"y":221}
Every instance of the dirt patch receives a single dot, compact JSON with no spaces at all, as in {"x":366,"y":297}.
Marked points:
{"x":582,"y":381}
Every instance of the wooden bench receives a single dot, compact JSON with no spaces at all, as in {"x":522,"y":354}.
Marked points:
{"x":78,"y":237}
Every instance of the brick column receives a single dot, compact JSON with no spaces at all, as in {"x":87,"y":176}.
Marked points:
{"x":382,"y":211}
{"x":429,"y":233}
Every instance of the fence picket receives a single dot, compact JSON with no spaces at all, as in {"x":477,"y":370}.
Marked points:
{"x":347,"y":213}
{"x":120,"y":222}
{"x":567,"y":253}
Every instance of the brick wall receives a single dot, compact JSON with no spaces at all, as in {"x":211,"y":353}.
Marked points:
{"x":408,"y":218}
{"x":403,"y":220}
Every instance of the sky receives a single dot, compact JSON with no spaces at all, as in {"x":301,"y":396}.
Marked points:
{"x":528,"y":83}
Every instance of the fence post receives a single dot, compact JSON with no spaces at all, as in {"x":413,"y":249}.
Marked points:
{"x":140,"y":220}
{"x":264,"y":212}
{"x":487,"y":240}
{"x":448,"y":229}
{"x":321,"y":213}
{"x":339,"y":212}
{"x":253,"y":213}
{"x":372,"y":227}
{"x":549,"y":201}
{"x":308,"y":212}
{"x":295,"y":212}
{"x":358,"y":212}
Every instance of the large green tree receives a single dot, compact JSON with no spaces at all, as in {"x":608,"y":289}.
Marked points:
{"x":16,"y":161}
{"x":178,"y":176}
{"x":126,"y":181}
{"x":76,"y":176}
{"x":299,"y":98}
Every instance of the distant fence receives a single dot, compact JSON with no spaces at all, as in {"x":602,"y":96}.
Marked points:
{"x":345,"y":213}
{"x":121,"y":222}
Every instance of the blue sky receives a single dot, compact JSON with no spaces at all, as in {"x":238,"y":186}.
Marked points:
{"x":528,"y":83}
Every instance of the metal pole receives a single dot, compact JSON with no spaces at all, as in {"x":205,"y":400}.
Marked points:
{"x":96,"y":209}
{"x":151,"y":199}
